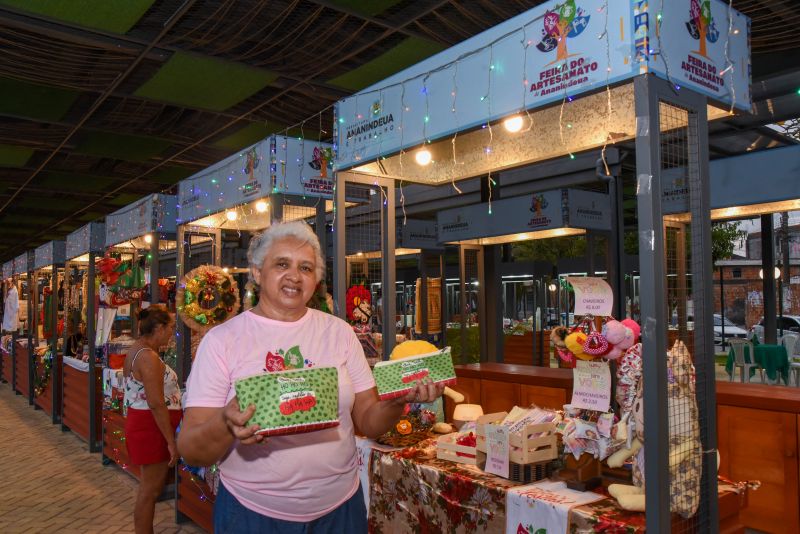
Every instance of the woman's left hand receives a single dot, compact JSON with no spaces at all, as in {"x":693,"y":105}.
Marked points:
{"x":424,"y":391}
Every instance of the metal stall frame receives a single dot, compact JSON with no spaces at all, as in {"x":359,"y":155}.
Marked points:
{"x":388,"y":245}
{"x":649,"y":93}
{"x":94,"y":228}
{"x":58,"y":253}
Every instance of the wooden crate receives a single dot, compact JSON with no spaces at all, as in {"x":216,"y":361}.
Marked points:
{"x":448,"y":449}
{"x":535,"y":443}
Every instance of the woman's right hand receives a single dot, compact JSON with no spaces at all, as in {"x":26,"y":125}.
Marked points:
{"x":236,"y":422}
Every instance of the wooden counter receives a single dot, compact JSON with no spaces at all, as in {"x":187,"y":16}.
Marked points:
{"x":21,"y":367}
{"x":500,"y":386}
{"x":114,"y":442}
{"x":8,"y":368}
{"x":758,"y":432}
{"x":195,"y":500}
{"x":75,"y":401}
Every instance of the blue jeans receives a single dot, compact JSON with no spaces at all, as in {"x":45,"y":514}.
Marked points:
{"x":231,"y":517}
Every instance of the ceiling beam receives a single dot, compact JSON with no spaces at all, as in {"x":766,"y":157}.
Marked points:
{"x":164,"y":30}
{"x":125,"y":43}
{"x":260,"y":106}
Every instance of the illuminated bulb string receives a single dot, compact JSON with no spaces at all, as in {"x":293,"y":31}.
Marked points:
{"x":728,"y":64}
{"x":608,"y":91}
{"x":454,"y":94}
{"x":489,"y":180}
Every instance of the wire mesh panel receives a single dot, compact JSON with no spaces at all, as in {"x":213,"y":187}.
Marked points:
{"x":363,"y":262}
{"x":686,"y":409}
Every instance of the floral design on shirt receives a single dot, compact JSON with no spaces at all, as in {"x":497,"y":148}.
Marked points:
{"x":282,"y":360}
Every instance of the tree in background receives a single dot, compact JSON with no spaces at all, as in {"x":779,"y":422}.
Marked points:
{"x":724,"y":238}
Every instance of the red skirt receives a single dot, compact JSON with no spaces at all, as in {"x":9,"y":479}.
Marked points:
{"x":146,"y":445}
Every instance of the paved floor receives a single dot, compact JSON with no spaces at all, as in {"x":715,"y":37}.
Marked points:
{"x":50,"y":483}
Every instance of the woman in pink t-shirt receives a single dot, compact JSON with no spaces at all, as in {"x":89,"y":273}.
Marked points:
{"x":302,"y":481}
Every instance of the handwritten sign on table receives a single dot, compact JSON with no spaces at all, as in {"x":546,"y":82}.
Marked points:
{"x":592,"y":295}
{"x":591,"y":386}
{"x":497,"y":450}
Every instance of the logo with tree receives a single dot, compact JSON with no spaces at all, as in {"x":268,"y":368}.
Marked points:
{"x":701,"y":25}
{"x":566,"y":22}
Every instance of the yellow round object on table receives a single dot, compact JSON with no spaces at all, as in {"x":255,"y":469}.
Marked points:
{"x":412,"y":348}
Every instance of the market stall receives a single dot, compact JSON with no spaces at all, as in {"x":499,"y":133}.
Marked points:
{"x":140,"y":253}
{"x":48,"y":324}
{"x":82,"y":375}
{"x":278,"y":179}
{"x":22,"y":372}
{"x":557,"y":83}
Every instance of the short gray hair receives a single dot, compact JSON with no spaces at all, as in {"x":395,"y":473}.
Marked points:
{"x":300,"y":230}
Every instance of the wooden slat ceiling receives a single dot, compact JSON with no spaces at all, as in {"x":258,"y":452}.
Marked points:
{"x":102,"y":101}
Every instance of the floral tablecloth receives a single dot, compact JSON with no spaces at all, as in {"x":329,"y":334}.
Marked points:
{"x":412,"y":492}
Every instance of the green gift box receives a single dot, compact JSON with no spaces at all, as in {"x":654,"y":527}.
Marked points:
{"x":291,"y":402}
{"x":395,"y":378}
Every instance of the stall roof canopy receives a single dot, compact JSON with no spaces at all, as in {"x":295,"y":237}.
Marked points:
{"x":105,"y":101}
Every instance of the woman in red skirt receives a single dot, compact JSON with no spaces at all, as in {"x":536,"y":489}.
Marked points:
{"x":153,"y":402}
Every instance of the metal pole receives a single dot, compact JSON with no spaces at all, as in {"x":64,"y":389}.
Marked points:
{"x":33,"y":292}
{"x":91,"y":317}
{"x":155,"y":294}
{"x":768,"y":281}
{"x":55,"y":369}
{"x":339,"y":254}
{"x":722,"y":303}
{"x":651,"y":259}
{"x":389,"y":274}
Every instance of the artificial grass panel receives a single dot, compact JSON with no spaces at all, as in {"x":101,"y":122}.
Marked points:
{"x":169,"y":175}
{"x":256,"y":131}
{"x":121,"y":146}
{"x":409,"y":52}
{"x":117,"y":16}
{"x":68,"y":181}
{"x":124,"y":199}
{"x":371,"y":8}
{"x":34,"y":101}
{"x":14,"y":156}
{"x":204,"y":82}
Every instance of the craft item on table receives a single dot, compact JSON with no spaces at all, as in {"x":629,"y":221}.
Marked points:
{"x":395,"y":378}
{"x":207,"y":296}
{"x":293,"y":401}
{"x":466,"y":413}
{"x":685,"y":450}
{"x":417,"y":420}
{"x":460,"y":447}
{"x":575,"y":342}
{"x":443,"y":428}
{"x":531,"y":439}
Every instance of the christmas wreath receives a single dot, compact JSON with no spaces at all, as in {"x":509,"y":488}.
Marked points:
{"x":208,"y":296}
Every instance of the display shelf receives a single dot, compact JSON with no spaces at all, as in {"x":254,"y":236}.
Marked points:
{"x":75,"y":401}
{"x":194,"y":499}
